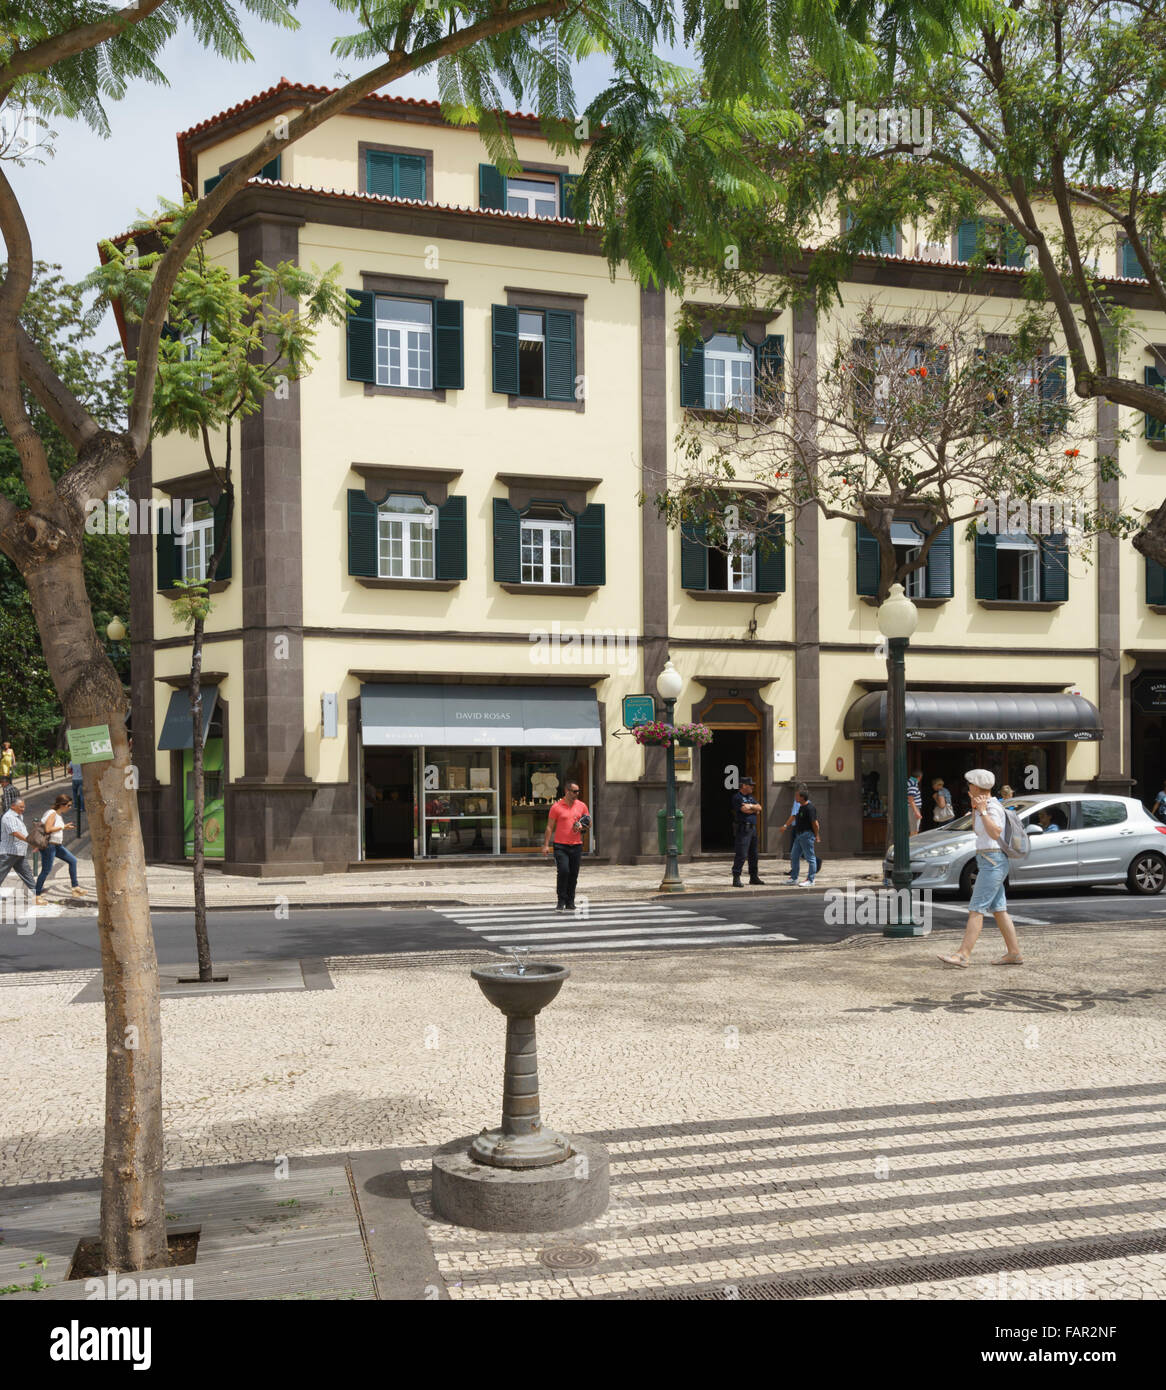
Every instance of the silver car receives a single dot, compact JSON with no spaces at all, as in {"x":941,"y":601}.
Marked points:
{"x":1075,"y":839}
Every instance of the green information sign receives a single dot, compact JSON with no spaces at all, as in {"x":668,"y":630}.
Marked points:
{"x":638,"y":709}
{"x":90,"y":745}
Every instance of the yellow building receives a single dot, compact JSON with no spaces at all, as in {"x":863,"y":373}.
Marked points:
{"x":441,"y":583}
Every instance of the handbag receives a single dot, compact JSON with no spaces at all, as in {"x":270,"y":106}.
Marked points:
{"x":944,"y":812}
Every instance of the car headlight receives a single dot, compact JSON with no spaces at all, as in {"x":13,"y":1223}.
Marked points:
{"x":939,"y":852}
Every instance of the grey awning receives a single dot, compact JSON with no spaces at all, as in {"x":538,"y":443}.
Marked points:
{"x":979,"y":717}
{"x":513,"y":716}
{"x":178,"y":730}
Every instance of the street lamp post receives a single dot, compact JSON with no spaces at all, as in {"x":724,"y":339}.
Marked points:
{"x":897,"y":619}
{"x":669,"y":684}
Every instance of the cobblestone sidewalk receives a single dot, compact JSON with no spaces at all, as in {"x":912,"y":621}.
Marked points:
{"x":813,"y":1114}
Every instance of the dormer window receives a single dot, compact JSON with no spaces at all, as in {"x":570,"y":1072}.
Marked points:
{"x":533,"y":197}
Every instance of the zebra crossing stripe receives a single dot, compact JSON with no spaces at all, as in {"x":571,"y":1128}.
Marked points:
{"x":609,"y":945}
{"x":542,"y":909}
{"x":566,"y":922}
{"x":620,"y":931}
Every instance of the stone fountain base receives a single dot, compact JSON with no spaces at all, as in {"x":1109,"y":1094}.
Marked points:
{"x":553,"y":1198}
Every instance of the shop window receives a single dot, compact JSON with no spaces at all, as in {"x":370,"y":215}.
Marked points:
{"x":459,"y":788}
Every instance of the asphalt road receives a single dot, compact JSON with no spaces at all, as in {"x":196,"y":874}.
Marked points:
{"x":784,"y":920}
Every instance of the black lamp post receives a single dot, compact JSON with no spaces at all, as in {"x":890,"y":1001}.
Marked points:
{"x":669,"y":684}
{"x":897,"y":619}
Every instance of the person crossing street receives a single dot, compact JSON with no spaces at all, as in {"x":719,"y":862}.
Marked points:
{"x":566,"y":821}
{"x":745,"y":813}
{"x":14,"y":846}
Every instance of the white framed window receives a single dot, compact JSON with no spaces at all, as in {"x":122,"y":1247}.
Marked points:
{"x":198,"y":543}
{"x":548,"y":551}
{"x":908,"y":543}
{"x":534,"y":197}
{"x":404,"y":343}
{"x":1017,"y":567}
{"x":891,"y":360}
{"x":404,"y":538}
{"x":729,"y":368}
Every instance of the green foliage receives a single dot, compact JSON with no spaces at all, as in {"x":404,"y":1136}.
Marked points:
{"x":193,"y":604}
{"x":58,"y":317}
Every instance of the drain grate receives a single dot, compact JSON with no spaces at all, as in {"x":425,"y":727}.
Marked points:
{"x":922,"y":1271}
{"x":568,"y":1257}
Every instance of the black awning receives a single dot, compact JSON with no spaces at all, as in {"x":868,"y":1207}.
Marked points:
{"x":952,"y":716}
{"x":178,"y":730}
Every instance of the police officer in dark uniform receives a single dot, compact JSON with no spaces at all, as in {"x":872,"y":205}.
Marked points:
{"x":745,"y":813}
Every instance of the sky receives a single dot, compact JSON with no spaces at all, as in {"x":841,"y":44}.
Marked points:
{"x":95,"y":187}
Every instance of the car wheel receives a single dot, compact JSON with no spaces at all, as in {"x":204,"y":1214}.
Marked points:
{"x":1147,"y":874}
{"x":968,"y":877}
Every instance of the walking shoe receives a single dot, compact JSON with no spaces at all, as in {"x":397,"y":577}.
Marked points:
{"x":78,"y":892}
{"x":41,"y":900}
{"x":737,"y":882}
{"x":792,"y":881}
{"x":570,"y":907}
{"x":560,"y":907}
{"x":756,"y":882}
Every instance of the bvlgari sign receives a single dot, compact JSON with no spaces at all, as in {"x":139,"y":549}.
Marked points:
{"x":1149,"y":692}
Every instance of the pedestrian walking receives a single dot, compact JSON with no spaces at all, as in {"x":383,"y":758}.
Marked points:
{"x":941,"y":799}
{"x":7,"y":759}
{"x":992,"y":866}
{"x":566,"y":821}
{"x":807,"y":836}
{"x":8,"y":794}
{"x":14,"y":845}
{"x":914,"y":804}
{"x":55,"y":826}
{"x":745,"y":813}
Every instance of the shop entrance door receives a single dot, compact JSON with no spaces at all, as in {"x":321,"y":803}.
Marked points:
{"x":213,"y":818}
{"x":735,"y":751}
{"x":390,"y":821}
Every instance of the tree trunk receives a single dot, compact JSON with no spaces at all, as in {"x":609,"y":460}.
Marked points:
{"x":133,"y":1226}
{"x":202,"y":939}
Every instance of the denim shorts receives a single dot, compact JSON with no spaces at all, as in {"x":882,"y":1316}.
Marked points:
{"x":988,"y":891}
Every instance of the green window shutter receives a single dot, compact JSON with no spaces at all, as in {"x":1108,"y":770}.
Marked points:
{"x":560,"y":340}
{"x":208,"y":184}
{"x":867,"y":562}
{"x":967,"y":239}
{"x":1052,"y":387}
{"x":1054,"y":569}
{"x":692,"y":384}
{"x":1155,"y":582}
{"x":167,"y":557}
{"x":491,"y":187}
{"x":449,"y":559}
{"x":769,"y":357}
{"x":1014,"y":246}
{"x":272,"y":169}
{"x":380,"y":173}
{"x":507,"y":543}
{"x":220,"y":513}
{"x":362,"y":337}
{"x":886,"y":243}
{"x":504,"y":354}
{"x":694,"y":556}
{"x":591,"y":546}
{"x":362,"y":534}
{"x":1131,"y":267}
{"x":448,"y":357}
{"x":986,"y":564}
{"x":411,"y":177}
{"x":1155,"y":428}
{"x":769,"y":557}
{"x":940,"y":563}
{"x":567,"y":195}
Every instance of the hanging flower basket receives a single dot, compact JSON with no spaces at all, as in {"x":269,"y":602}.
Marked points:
{"x":658,"y":734}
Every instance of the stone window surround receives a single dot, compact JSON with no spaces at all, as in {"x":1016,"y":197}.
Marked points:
{"x":365,"y":146}
{"x":195,"y":487}
{"x":382,"y":479}
{"x":525,"y":489}
{"x":519,"y":298}
{"x":926,"y":520}
{"x":754,"y":329}
{"x":405,"y":287}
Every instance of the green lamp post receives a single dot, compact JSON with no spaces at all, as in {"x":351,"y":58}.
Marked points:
{"x":669,"y":684}
{"x":898,"y":617}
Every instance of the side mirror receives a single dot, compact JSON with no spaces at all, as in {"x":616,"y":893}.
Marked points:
{"x":1035,"y":828}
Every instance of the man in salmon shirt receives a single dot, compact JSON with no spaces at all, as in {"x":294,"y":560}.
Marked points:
{"x":567,"y":819}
